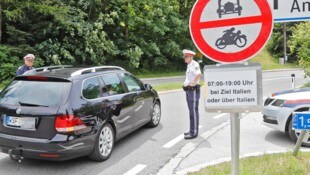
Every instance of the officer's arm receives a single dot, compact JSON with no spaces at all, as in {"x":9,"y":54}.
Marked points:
{"x":197,"y":73}
{"x":197,"y":78}
{"x":20,"y":71}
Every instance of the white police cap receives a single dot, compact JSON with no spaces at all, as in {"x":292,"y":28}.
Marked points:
{"x":30,"y":57}
{"x":188,"y":53}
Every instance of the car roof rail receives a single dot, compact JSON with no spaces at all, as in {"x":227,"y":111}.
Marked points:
{"x":47,"y":69}
{"x":95,"y":69}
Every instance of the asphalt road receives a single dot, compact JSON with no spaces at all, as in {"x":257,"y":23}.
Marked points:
{"x":146,"y":150}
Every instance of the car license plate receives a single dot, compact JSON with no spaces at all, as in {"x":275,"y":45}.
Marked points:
{"x":28,"y":123}
{"x":13,"y":121}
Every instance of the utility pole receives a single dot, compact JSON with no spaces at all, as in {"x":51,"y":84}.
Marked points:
{"x":284,"y":43}
{"x":276,"y":4}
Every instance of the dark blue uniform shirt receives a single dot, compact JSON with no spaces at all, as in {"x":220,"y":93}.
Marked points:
{"x":22,"y":69}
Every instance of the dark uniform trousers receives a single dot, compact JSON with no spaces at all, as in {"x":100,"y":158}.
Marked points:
{"x":192,"y":98}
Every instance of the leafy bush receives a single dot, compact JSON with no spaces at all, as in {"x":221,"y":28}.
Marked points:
{"x":9,"y":65}
{"x":300,"y":45}
{"x":276,"y":43}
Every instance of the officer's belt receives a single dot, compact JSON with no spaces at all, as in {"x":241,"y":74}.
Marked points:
{"x":191,"y":88}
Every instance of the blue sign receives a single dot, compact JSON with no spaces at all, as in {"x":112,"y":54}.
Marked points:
{"x":301,"y":121}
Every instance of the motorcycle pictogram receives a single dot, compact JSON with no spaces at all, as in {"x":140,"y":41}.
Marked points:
{"x":229,"y":8}
{"x":231,"y":38}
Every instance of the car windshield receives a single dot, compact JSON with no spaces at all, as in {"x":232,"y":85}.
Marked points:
{"x":35,"y":93}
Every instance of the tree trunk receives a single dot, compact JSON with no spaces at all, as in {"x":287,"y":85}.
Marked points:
{"x":104,"y":3}
{"x":0,"y":23}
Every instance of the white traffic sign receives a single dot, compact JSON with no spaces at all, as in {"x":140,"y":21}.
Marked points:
{"x":290,"y":10}
{"x":233,"y":88}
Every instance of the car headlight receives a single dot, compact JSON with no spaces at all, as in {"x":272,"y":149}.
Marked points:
{"x":278,"y":103}
{"x":268,"y":101}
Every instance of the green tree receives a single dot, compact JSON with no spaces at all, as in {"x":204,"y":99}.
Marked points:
{"x":275,"y":45}
{"x":300,"y":45}
{"x":138,"y":35}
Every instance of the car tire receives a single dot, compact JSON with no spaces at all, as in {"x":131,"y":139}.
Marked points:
{"x":155,"y":115}
{"x":104,"y":144}
{"x":293,"y":135}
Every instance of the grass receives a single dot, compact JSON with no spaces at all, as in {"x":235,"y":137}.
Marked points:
{"x":276,"y":164}
{"x":168,"y":86}
{"x":307,"y":85}
{"x":160,"y":74}
{"x":270,"y":63}
{"x":264,"y":58}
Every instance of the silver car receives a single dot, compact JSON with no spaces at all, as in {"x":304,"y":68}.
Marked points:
{"x":279,"y":107}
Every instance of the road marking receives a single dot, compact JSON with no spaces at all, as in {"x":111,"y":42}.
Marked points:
{"x":176,"y":140}
{"x":135,"y":170}
{"x":174,"y":162}
{"x":173,"y":141}
{"x":220,"y":116}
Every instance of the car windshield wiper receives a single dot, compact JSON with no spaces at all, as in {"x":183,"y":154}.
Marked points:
{"x":30,"y":104}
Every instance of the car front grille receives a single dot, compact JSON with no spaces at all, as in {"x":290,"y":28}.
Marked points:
{"x":270,"y":121}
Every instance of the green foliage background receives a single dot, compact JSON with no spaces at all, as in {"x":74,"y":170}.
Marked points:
{"x":141,"y":36}
{"x":135,"y":34}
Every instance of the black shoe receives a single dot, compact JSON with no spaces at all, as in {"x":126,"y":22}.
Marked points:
{"x":190,"y":136}
{"x":186,"y":133}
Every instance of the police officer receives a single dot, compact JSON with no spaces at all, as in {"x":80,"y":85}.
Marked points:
{"x":192,"y":89}
{"x":29,"y":59}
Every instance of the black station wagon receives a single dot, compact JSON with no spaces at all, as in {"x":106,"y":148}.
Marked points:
{"x":60,"y":113}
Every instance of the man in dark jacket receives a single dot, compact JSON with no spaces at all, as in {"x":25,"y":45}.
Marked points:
{"x":29,"y":59}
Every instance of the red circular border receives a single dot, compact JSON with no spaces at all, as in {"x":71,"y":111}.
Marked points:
{"x":207,"y":50}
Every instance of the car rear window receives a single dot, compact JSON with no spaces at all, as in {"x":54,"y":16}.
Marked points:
{"x":91,"y":89}
{"x":41,"y":93}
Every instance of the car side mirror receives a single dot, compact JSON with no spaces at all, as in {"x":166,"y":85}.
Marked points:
{"x":148,"y":87}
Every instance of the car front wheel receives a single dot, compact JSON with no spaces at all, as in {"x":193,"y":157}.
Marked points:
{"x":295,"y":134}
{"x":155,"y":115}
{"x":104,"y":144}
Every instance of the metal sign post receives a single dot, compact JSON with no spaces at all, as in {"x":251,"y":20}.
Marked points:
{"x":233,"y":88}
{"x":284,"y":44}
{"x":301,"y":122}
{"x":235,"y":142}
{"x":232,"y":32}
{"x":299,"y":142}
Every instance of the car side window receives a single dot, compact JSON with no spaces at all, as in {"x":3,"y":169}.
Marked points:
{"x":91,"y":89}
{"x":113,"y":84}
{"x":132,"y":83}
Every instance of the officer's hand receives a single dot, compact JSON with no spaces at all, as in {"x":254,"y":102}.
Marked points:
{"x":192,"y":84}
